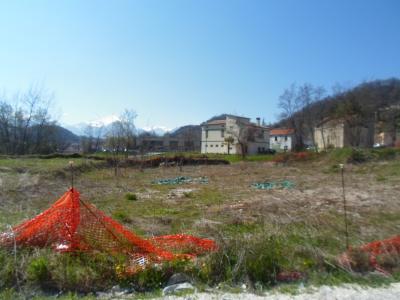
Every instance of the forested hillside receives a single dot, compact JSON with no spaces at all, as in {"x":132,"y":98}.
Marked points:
{"x":304,"y":107}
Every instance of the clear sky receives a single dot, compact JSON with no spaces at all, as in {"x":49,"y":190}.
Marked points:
{"x":181,"y":62}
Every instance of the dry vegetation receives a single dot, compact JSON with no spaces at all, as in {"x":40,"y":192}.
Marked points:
{"x":302,"y":227}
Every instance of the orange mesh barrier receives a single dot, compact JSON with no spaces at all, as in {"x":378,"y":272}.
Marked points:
{"x":71,"y":224}
{"x":389,"y":247}
{"x":384,"y":247}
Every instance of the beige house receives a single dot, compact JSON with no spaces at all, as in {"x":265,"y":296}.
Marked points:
{"x":230,"y":134}
{"x":281,"y":139}
{"x":339,"y":133}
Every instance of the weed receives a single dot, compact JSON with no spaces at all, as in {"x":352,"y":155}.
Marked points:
{"x":188,"y":194}
{"x":381,"y":178}
{"x":131,"y":197}
{"x":358,"y":156}
{"x":38,"y":270}
{"x":122,"y":216}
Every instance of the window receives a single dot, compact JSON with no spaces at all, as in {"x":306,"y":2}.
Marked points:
{"x":276,"y":138}
{"x":211,"y":146}
{"x":222,"y":133}
{"x":216,"y":145}
{"x":285,"y":138}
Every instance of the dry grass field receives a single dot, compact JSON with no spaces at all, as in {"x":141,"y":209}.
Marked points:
{"x":307,"y":218}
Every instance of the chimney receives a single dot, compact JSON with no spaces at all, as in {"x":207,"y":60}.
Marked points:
{"x":258,"y":121}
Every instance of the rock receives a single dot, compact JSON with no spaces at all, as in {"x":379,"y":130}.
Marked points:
{"x":103,"y":295}
{"x":178,"y":278}
{"x":180,"y":287}
{"x":119,"y":291}
{"x":179,"y":193}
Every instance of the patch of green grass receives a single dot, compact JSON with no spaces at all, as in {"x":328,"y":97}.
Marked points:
{"x":131,"y":197}
{"x":122,"y":216}
{"x":241,"y":228}
{"x":337,"y":155}
{"x":381,"y":178}
{"x":209,"y":196}
{"x":45,"y":166}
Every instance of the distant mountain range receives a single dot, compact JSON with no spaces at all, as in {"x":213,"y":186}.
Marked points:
{"x":80,"y":128}
{"x":73,"y":134}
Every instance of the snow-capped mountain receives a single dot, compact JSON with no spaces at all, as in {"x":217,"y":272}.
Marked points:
{"x":105,"y":125}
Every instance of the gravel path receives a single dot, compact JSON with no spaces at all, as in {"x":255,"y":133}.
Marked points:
{"x":346,"y":292}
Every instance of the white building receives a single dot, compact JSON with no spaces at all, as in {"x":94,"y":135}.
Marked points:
{"x":215,"y":136}
{"x":281,"y":139}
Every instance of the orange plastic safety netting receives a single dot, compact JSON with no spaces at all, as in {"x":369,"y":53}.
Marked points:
{"x":377,"y":252}
{"x":72,"y":224}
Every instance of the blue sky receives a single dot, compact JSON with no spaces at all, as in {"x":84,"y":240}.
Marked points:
{"x":181,"y":62}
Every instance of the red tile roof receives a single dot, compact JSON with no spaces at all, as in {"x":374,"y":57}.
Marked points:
{"x":281,"y":131}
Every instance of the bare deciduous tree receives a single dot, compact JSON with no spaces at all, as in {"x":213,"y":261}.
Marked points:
{"x":121,"y":137}
{"x":229,"y":140}
{"x":26,"y":126}
{"x":242,"y":135}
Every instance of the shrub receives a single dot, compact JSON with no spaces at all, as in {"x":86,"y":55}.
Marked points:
{"x":7,"y":270}
{"x":281,"y":158}
{"x":84,"y":272}
{"x":38,"y":270}
{"x":188,"y":194}
{"x":385,"y":153}
{"x":257,"y":258}
{"x":357,"y":156}
{"x":131,"y":197}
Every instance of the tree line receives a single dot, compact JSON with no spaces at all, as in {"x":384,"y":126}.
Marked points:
{"x":370,"y":103}
{"x":26,"y":126}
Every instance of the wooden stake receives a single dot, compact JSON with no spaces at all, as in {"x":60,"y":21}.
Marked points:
{"x":71,"y":167}
{"x":344,"y":206}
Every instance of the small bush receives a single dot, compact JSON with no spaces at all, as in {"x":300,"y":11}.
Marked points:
{"x":256,"y":258}
{"x":7,"y":270}
{"x":281,"y":158}
{"x":84,"y":272}
{"x":38,"y":270}
{"x":358,"y":156}
{"x":131,"y":197}
{"x":188,"y":194}
{"x":385,"y":153}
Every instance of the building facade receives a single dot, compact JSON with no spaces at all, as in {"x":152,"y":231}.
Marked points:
{"x":234,"y":135}
{"x":186,"y":138}
{"x":339,"y":133}
{"x":281,"y":139}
